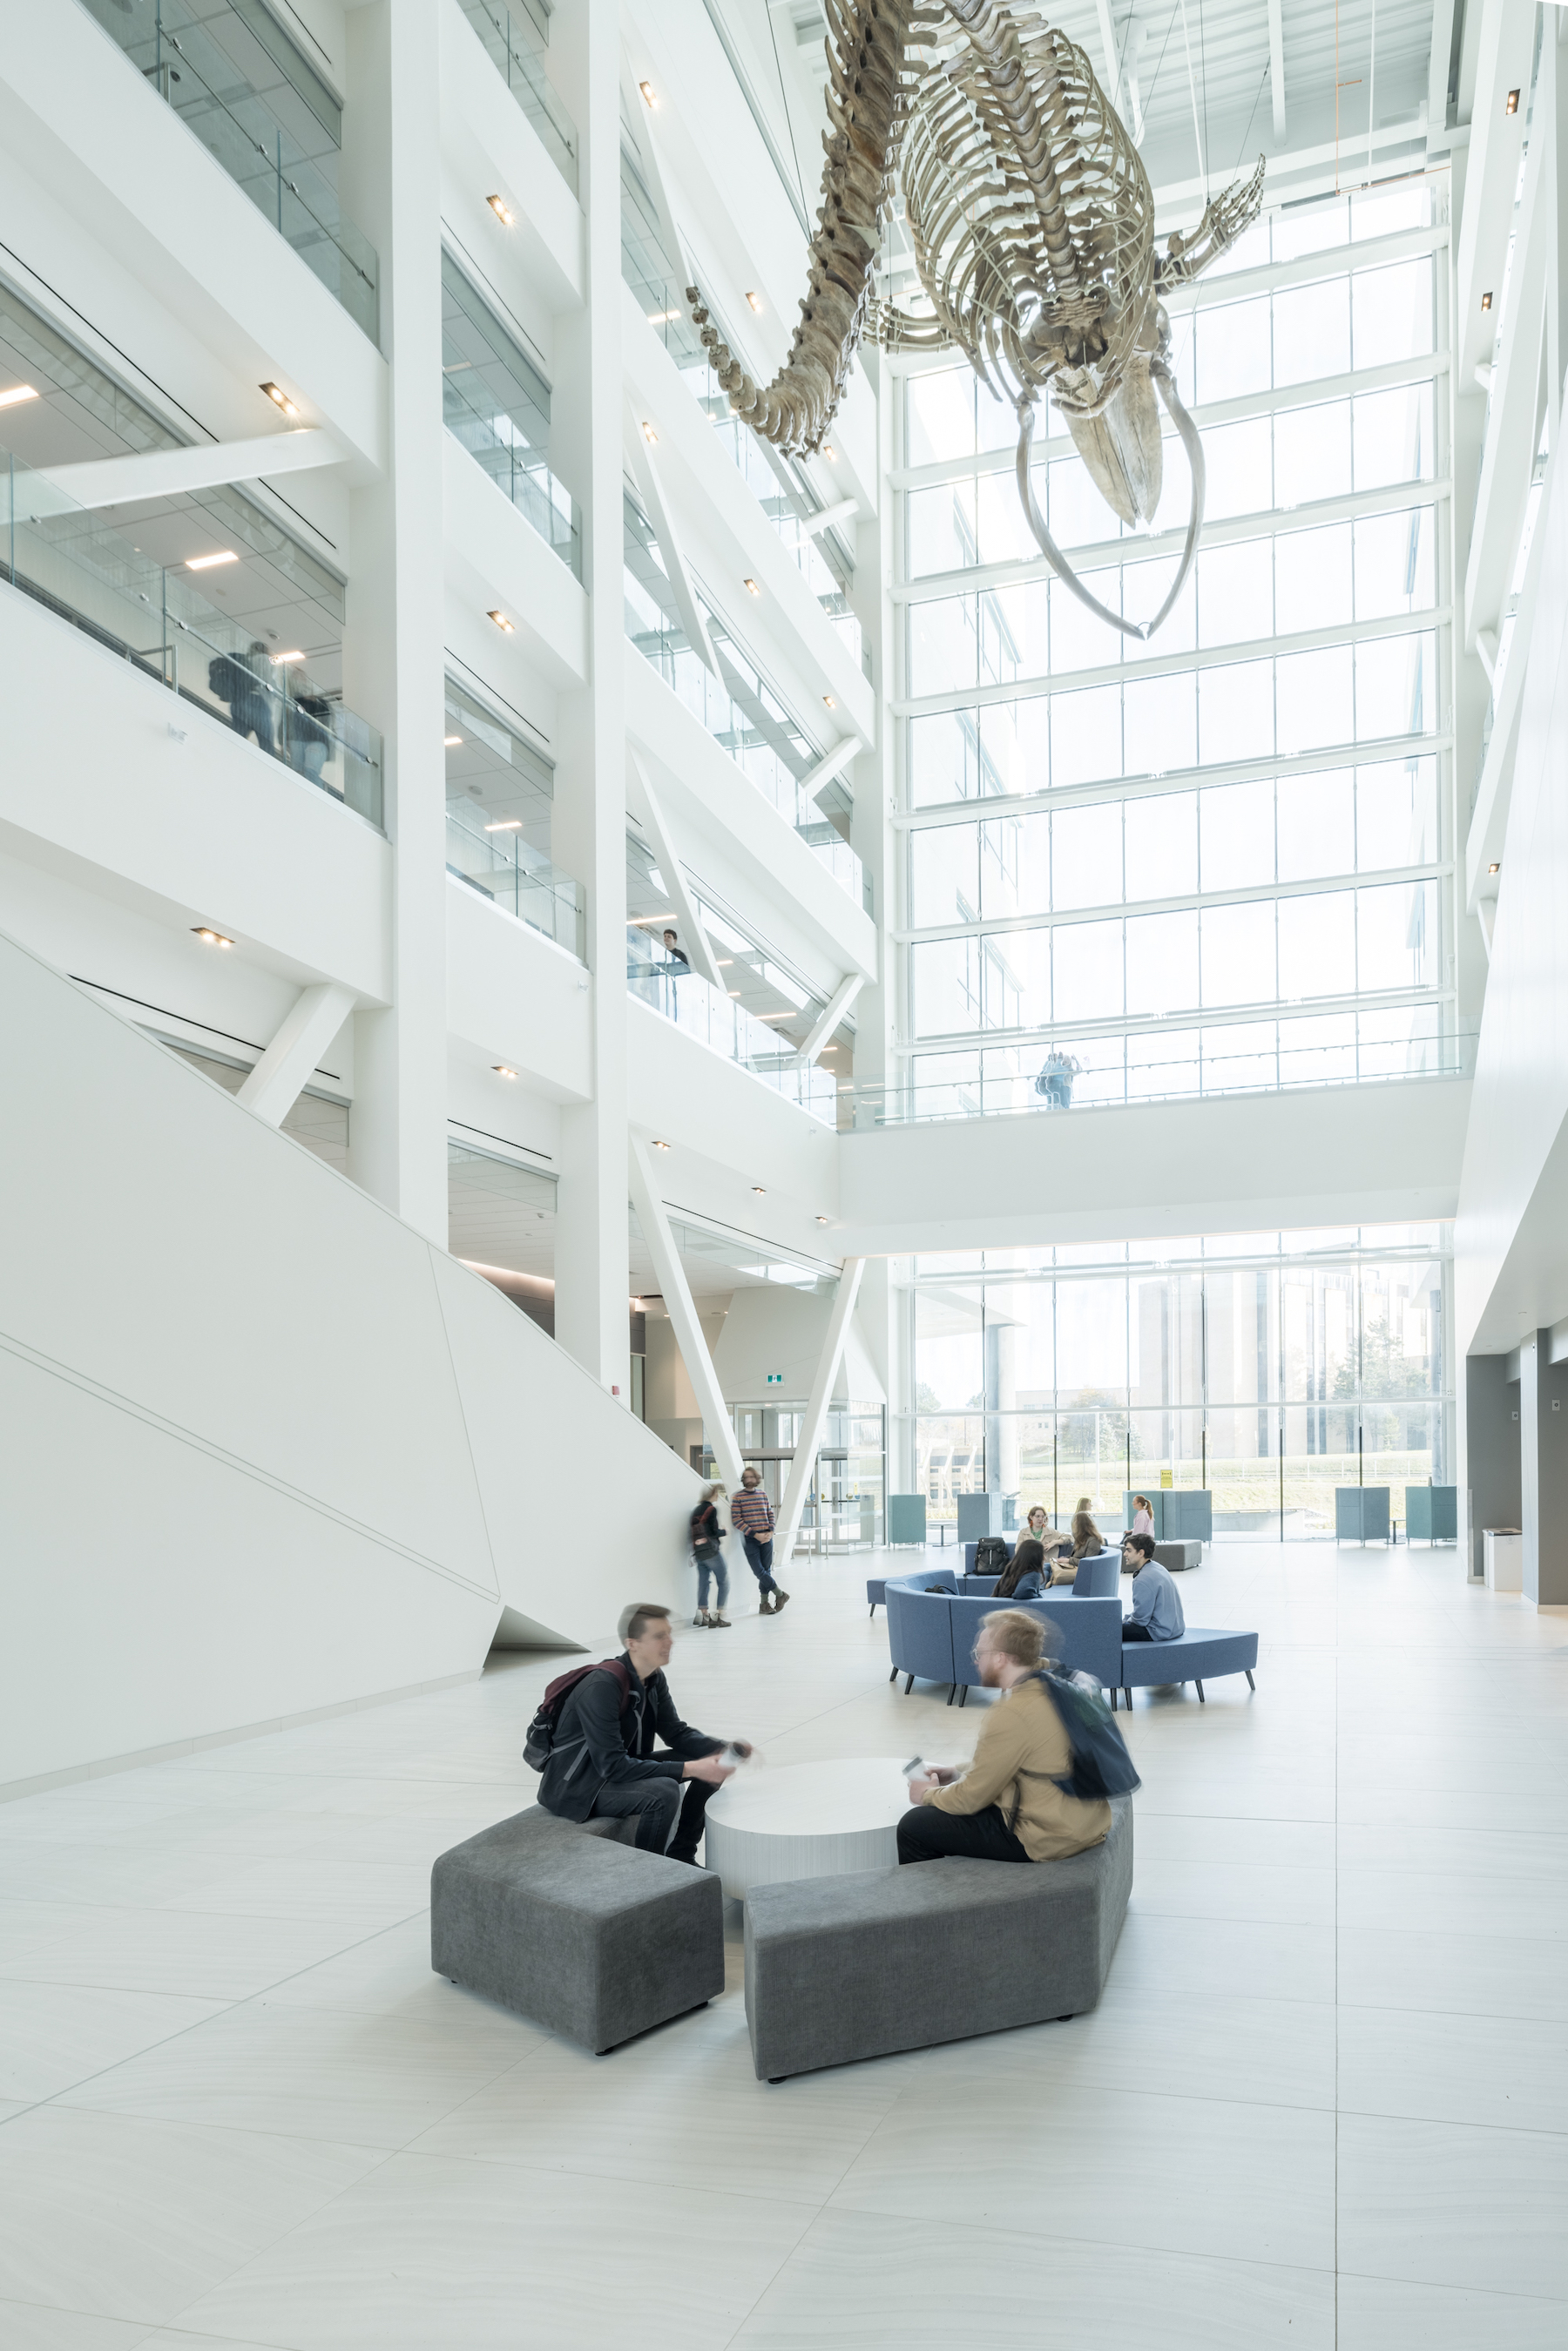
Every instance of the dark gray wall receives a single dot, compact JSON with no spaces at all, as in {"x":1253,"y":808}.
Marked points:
{"x":1544,"y":1470}
{"x":1492,"y":1452}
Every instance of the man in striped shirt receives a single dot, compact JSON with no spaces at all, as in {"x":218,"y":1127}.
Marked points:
{"x":752,"y":1513}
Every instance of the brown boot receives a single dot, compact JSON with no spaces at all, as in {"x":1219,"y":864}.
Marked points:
{"x":779,"y":1597}
{"x":764,"y":1605}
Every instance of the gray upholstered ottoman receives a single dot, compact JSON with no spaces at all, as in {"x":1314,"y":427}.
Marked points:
{"x":576,"y":1931}
{"x":1179,"y":1556}
{"x":843,"y":1968}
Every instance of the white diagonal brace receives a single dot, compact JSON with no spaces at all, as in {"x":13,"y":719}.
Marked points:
{"x":643,"y":803}
{"x":810,"y":1436}
{"x":831,"y":516}
{"x":164,"y":473}
{"x":833,"y":763}
{"x":717,"y":1427}
{"x":1276,"y":64}
{"x":828,"y":1019}
{"x":645,"y":474}
{"x":311,"y":1022}
{"x":639,"y":116}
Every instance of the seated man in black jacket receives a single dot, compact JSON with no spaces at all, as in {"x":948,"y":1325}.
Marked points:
{"x":603,"y":1762}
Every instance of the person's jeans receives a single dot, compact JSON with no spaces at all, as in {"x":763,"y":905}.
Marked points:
{"x":720,"y":1574}
{"x":759,"y":1559}
{"x":1131,"y":1632}
{"x":669,"y":1812}
{"x":925,"y":1834}
{"x":252,"y":714}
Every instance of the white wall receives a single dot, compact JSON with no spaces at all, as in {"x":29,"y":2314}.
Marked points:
{"x":268,"y":1450}
{"x":779,"y":1330}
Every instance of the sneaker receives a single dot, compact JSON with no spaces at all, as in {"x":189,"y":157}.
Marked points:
{"x":701,"y":1617}
{"x":722,"y":1622}
{"x":779,"y":1597}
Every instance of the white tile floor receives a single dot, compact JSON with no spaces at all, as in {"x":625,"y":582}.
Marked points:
{"x":1324,"y":2101}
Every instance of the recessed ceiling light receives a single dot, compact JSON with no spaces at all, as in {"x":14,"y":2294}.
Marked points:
{"x":210,"y":938}
{"x":722,"y":960}
{"x":1513,"y":105}
{"x":279,"y":660}
{"x":649,"y":98}
{"x":821,"y":1220}
{"x":756,"y":302}
{"x":502,"y":210}
{"x":17,"y":392}
{"x":830,"y":452}
{"x":760,"y":1190}
{"x":280,"y":399}
{"x":660,"y":1146}
{"x":451,"y":742}
{"x":501,"y":622}
{"x":735,"y":991}
{"x":829,"y":702}
{"x":751,"y":587}
{"x":501,"y":1069}
{"x":1494,"y":869}
{"x":1486,"y":301}
{"x":507,"y":824}
{"x":205,"y":562}
{"x":649,"y":435}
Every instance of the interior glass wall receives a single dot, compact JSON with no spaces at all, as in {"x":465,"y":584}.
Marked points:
{"x":1234,"y":829}
{"x":1269,"y":1368}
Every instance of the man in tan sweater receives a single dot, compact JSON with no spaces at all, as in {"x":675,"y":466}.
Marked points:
{"x":1008,"y":1806}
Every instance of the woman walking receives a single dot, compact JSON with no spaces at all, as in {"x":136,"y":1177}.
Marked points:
{"x":708,"y":1549}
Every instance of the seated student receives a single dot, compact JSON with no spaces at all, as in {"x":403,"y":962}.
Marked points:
{"x":1025,"y":1575}
{"x":1087,"y":1539}
{"x":1008,"y":1806}
{"x":1040,"y":1528}
{"x":1143,"y":1517}
{"x":1156,"y":1603}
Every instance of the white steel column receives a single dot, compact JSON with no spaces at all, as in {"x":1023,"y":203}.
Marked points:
{"x":717,"y":1427}
{"x":591,"y":1307}
{"x":392,"y":643}
{"x":811,"y":1436}
{"x":310,"y":1025}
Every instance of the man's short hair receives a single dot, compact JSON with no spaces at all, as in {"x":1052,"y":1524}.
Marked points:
{"x":635,"y":1620}
{"x":1144,"y":1544}
{"x":1016,"y":1634}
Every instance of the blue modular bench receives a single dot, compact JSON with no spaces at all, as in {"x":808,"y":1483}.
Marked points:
{"x":876,"y":1592}
{"x":1195,"y":1656}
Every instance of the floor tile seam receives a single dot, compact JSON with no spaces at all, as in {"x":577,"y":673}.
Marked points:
{"x":1456,"y":2015}
{"x":1447,"y":2123}
{"x":982,"y":2082}
{"x":482,"y":2163}
{"x":1042,"y":2233}
{"x":1447,"y":2285}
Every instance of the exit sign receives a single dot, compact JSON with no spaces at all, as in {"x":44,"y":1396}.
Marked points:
{"x":775,"y":1379}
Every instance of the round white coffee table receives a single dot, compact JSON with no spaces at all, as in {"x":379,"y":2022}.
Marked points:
{"x":806,"y":1820}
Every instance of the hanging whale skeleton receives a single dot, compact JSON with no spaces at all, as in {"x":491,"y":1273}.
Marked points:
{"x":1032,"y":224}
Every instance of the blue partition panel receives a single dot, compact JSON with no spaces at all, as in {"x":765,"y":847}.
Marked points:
{"x":1360,"y":1513}
{"x":906,"y":1518}
{"x":1432,"y":1513}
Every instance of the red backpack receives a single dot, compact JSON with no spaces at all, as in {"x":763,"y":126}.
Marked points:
{"x":540,"y":1744}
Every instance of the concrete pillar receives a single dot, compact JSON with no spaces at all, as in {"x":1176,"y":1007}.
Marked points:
{"x":1488,"y":1451}
{"x":392,"y":667}
{"x":1543,"y":1471}
{"x":588,"y":829}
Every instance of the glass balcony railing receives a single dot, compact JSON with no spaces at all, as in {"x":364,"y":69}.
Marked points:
{"x":505,"y":870}
{"x":235,"y":79}
{"x":739,"y":708}
{"x":776,"y":484}
{"x":520,"y":61}
{"x":1114,"y":1072}
{"x":62,"y":556}
{"x":496,"y":403}
{"x":717,"y":1021}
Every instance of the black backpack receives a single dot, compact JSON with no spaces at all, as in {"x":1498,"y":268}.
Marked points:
{"x":991,"y":1555}
{"x":1101,"y":1763}
{"x":540,"y":1744}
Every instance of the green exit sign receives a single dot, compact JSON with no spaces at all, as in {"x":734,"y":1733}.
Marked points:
{"x":775,"y":1379}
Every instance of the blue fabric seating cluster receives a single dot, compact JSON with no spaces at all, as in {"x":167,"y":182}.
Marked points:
{"x":934,"y":1620}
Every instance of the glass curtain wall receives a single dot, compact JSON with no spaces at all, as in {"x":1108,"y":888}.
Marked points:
{"x":1269,"y":1368}
{"x":1218,"y":859}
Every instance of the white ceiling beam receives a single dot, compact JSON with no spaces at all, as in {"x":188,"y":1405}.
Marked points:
{"x":166,"y":473}
{"x":1277,"y":65}
{"x":1108,"y":51}
{"x":1491,"y":175}
{"x":833,"y":763}
{"x":830,"y":517}
{"x":828,"y":1019}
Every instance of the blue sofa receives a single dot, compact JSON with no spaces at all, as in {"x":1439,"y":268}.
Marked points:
{"x":934,"y":1620}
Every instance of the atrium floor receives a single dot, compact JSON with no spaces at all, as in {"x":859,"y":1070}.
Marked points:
{"x":1324,"y":2101}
